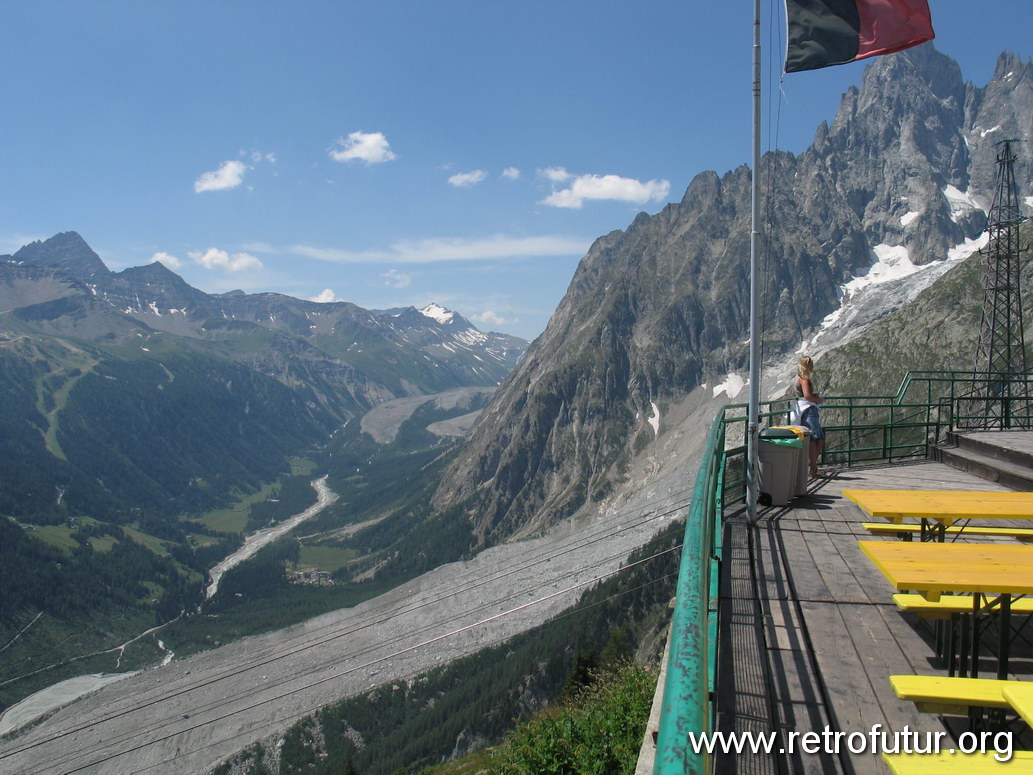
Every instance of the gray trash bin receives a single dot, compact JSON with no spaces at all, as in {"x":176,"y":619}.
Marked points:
{"x":803,"y":476}
{"x":779,"y":456}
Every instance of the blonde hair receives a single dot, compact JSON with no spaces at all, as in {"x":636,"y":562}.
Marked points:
{"x":805,"y":368}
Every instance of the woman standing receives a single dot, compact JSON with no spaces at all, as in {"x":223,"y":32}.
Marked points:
{"x":807,"y":400}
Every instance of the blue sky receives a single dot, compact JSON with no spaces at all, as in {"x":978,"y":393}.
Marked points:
{"x":394,"y":152}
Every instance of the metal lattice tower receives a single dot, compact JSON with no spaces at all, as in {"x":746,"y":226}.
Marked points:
{"x":1001,"y":354}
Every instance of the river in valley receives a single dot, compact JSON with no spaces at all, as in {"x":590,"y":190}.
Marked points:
{"x":59,"y":694}
{"x":324,"y":497}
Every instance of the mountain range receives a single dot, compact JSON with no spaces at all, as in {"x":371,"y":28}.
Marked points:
{"x":145,"y":425}
{"x":63,"y":288}
{"x":89,"y":353}
{"x":902,"y":177}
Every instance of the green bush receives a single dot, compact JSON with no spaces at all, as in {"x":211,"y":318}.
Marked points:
{"x":597,"y":732}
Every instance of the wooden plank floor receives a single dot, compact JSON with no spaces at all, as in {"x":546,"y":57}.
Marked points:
{"x":809,"y":633}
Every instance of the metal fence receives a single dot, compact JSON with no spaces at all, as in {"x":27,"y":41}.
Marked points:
{"x":926,"y":408}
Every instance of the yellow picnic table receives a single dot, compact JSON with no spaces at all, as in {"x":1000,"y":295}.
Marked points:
{"x":1019,"y":695}
{"x":992,"y":573}
{"x":944,"y":507}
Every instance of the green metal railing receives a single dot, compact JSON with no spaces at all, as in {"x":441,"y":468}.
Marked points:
{"x":859,"y":429}
{"x":693,"y":641}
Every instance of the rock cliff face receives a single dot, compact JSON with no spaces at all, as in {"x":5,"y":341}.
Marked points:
{"x":901,"y":175}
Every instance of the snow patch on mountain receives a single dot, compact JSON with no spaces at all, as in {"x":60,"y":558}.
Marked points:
{"x":892,"y":282}
{"x":438,"y":313}
{"x":732,"y":386}
{"x":961,"y":203}
{"x":892,"y":262}
{"x":968,"y":247}
{"x":472,"y":337}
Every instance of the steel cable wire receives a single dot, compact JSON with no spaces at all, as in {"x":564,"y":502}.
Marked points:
{"x":226,"y":701}
{"x":356,"y":668}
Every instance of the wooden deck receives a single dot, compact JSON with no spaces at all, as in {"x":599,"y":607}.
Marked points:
{"x":809,"y":633}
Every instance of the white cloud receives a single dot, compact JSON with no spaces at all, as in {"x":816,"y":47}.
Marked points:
{"x":229,"y":175}
{"x":490,"y":318}
{"x":368,"y":147}
{"x":555,"y":174}
{"x":170,"y":261}
{"x":463,"y":179}
{"x":497,"y":247}
{"x":221,"y":261}
{"x":511,"y":173}
{"x":611,"y":187}
{"x":326,"y":297}
{"x":396,"y":279}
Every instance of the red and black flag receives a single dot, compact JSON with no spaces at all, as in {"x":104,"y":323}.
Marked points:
{"x":833,"y":32}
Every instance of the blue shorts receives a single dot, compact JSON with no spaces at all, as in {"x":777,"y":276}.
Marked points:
{"x":812,"y":419}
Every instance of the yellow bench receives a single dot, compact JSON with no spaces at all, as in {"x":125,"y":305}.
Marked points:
{"x":957,"y":763}
{"x":889,"y":528}
{"x":948,"y":605}
{"x":951,"y":696}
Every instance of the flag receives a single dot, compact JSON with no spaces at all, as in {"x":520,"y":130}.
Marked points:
{"x":833,"y":32}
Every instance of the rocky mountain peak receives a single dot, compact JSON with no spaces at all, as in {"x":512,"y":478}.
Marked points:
{"x":151,"y":272}
{"x":450,"y":320}
{"x":151,"y":284}
{"x":1010,"y":67}
{"x":898,"y":179}
{"x":920,"y":69}
{"x":68,"y":251}
{"x":1002,"y":110}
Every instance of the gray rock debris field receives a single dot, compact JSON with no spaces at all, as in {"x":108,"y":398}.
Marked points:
{"x":195,"y":713}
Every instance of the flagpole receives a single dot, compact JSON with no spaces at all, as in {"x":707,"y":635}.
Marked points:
{"x":752,"y":472}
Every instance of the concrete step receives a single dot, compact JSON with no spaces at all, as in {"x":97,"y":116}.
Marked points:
{"x":1015,"y":447}
{"x":1016,"y":476}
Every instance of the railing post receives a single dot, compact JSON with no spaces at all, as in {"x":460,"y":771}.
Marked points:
{"x":850,"y":432}
{"x":887,"y":434}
